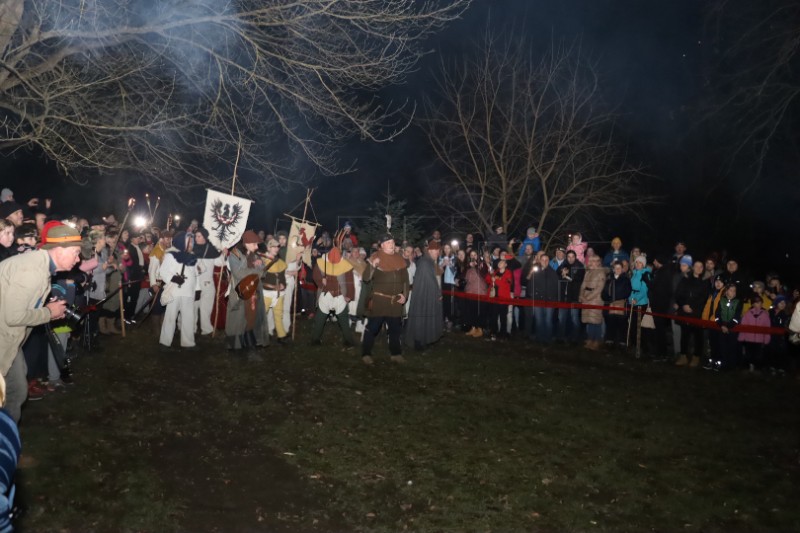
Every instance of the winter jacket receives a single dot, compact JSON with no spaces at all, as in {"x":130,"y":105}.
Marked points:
{"x":543,"y":285}
{"x":570,"y":278}
{"x":693,"y":292}
{"x":778,"y":320}
{"x":639,"y":286}
{"x":580,"y":250}
{"x":712,"y":304}
{"x":661,"y":295}
{"x":501,"y":282}
{"x":612,"y":256}
{"x":24,"y":284}
{"x":536,"y":242}
{"x":755,"y":318}
{"x":475,"y":283}
{"x":592,"y":293}
{"x":729,"y":312}
{"x":617,"y":288}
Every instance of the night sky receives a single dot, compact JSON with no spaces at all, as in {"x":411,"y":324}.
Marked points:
{"x":653,"y":59}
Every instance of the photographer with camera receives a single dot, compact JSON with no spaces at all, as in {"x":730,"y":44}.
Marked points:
{"x":24,"y":285}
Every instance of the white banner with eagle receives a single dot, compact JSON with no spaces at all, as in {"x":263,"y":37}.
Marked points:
{"x":225,"y":218}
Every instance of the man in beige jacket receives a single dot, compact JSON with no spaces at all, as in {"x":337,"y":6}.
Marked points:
{"x":24,"y":285}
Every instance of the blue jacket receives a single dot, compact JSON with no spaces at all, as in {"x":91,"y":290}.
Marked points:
{"x":639,"y":286}
{"x":536,"y":242}
{"x":9,"y":453}
{"x":611,"y":256}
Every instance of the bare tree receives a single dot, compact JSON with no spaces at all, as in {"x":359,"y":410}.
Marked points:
{"x":523,"y":141}
{"x":752,"y":83}
{"x":170,"y":89}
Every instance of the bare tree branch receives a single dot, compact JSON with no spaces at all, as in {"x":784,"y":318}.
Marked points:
{"x":164,"y":88}
{"x":524,"y":141}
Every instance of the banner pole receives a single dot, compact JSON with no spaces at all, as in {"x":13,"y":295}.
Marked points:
{"x":297,"y":272}
{"x":121,"y":309}
{"x":222,"y":268}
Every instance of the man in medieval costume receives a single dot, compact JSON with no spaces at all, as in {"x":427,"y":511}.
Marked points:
{"x":273,"y":281}
{"x":336,"y":289}
{"x":383,"y":297}
{"x":246,"y":318}
{"x":425,"y":323}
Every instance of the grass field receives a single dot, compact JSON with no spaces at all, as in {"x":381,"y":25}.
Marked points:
{"x":469,"y":436}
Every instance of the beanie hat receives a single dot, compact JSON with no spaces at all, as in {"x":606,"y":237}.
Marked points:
{"x":26,"y":230}
{"x":686,"y":260}
{"x":642,"y":258}
{"x":6,"y":208}
{"x":6,"y":195}
{"x":347,"y":224}
{"x":780,"y":298}
{"x":530,"y":231}
{"x":385,"y":237}
{"x":251,"y":237}
{"x":203,"y":231}
{"x":60,"y":236}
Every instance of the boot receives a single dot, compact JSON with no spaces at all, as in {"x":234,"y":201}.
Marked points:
{"x":103,"y":326}
{"x":112,"y":327}
{"x":682,"y":360}
{"x":593,"y":345}
{"x":694,"y":362}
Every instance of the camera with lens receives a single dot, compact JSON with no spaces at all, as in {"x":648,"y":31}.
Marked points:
{"x":72,"y":314}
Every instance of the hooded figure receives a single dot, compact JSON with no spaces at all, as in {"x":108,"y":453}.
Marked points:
{"x":178,"y":270}
{"x":425,"y":322}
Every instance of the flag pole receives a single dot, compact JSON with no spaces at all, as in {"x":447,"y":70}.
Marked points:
{"x":222,"y":268}
{"x":297,"y":275}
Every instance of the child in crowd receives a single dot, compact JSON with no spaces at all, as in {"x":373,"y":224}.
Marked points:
{"x":729,"y":315}
{"x":578,"y":246}
{"x":755,"y":343}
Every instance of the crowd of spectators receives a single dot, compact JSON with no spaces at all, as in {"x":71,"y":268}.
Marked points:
{"x":691,"y":311}
{"x":667,"y":306}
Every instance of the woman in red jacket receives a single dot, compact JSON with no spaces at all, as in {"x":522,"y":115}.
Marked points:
{"x":500,"y":282}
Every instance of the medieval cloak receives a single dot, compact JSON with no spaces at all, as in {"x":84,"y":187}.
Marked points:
{"x":425,"y":320}
{"x":238,"y":335}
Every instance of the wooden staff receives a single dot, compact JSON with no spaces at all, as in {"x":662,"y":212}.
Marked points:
{"x":297,"y":272}
{"x":222,"y":268}
{"x":155,"y":209}
{"x":121,"y":308}
{"x":131,"y":203}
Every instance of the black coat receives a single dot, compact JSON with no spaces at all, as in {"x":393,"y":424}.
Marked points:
{"x":570,"y":278}
{"x":543,"y":285}
{"x":693,"y":292}
{"x":661,"y":295}
{"x":617,"y":288}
